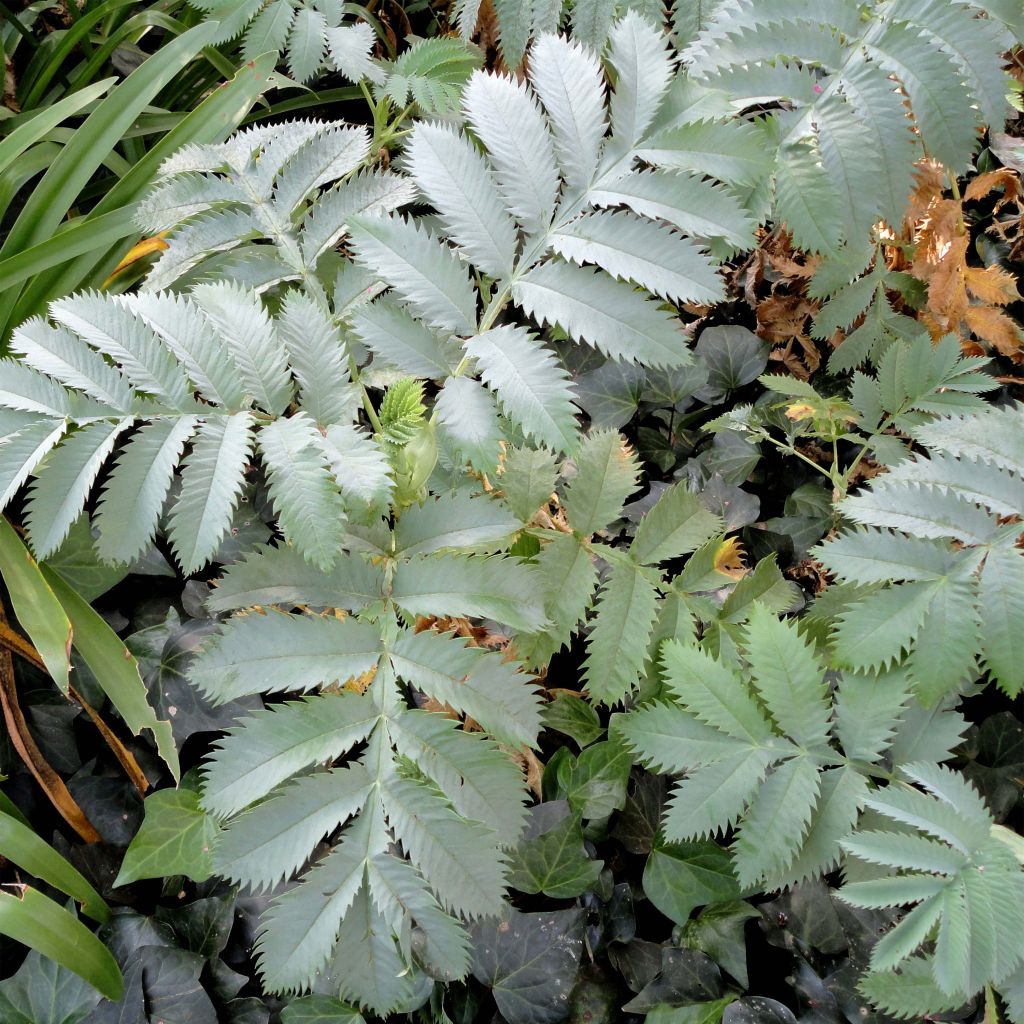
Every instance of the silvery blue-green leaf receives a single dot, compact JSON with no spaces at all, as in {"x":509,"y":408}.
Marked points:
{"x":454,"y":521}
{"x":507,"y":119}
{"x":187,"y":332}
{"x":495,"y":588}
{"x":454,"y":176}
{"x":422,"y":270}
{"x":596,"y":309}
{"x":56,"y":352}
{"x":134,"y":495}
{"x":309,"y":505}
{"x":22,"y":451}
{"x":328,"y":156}
{"x":361,"y":469}
{"x":274,"y":744}
{"x":350,"y":48}
{"x":111,"y":327}
{"x":62,"y":485}
{"x":468,"y":416}
{"x":532,"y":388}
{"x":693,"y":205}
{"x":569,"y":81}
{"x":635,"y":249}
{"x":319,"y":360}
{"x":211,"y":482}
{"x":640,"y":55}
{"x":306,"y":43}
{"x":369,"y":192}
{"x":404,"y":342}
{"x":248,"y":332}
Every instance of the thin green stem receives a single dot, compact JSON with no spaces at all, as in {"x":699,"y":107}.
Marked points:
{"x":371,"y":413}
{"x":790,"y":450}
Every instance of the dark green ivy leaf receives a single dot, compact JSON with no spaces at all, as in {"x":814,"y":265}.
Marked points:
{"x":551,"y":857}
{"x":574,"y":717}
{"x":176,"y":838}
{"x":686,"y":976}
{"x":719,"y":931}
{"x":319,"y":1010}
{"x":692,"y":1013}
{"x":530,"y":962}
{"x":43,"y":992}
{"x":758,"y":1010}
{"x":733,"y":355}
{"x":680,"y":877}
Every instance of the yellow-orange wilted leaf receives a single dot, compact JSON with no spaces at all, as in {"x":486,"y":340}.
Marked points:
{"x":995,"y":327}
{"x":358,"y":684}
{"x":985,"y":183}
{"x":137,"y":252}
{"x":799,"y":411}
{"x":947,"y":293}
{"x":729,"y":559}
{"x":937,"y":230}
{"x":992,"y":285}
{"x":929,"y":184}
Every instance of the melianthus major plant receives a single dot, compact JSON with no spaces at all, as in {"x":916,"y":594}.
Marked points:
{"x":395,"y":379}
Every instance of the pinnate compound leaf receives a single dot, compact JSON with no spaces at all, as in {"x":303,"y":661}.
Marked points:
{"x":678,"y":524}
{"x":633,"y":249}
{"x":528,"y":479}
{"x":134,"y":496}
{"x":480,"y":781}
{"x":273,"y":745}
{"x":489,"y":689}
{"x":713,"y":692}
{"x":971,"y":877}
{"x":497,"y":588}
{"x":62,"y":485}
{"x":453,"y":175}
{"x":773,"y":830}
{"x":425,"y":273}
{"x":456,"y":855}
{"x":273,"y":653}
{"x":594,"y":308}
{"x":789,"y":678}
{"x":275,"y":838}
{"x":301,"y":927}
{"x":309,"y":505}
{"x":211,"y":482}
{"x":617,"y":645}
{"x":281,"y":576}
{"x":606,"y":474}
{"x":640,"y":54}
{"x":468,"y":415}
{"x":568,"y":79}
{"x":506,"y":117}
{"x":533,"y":389}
